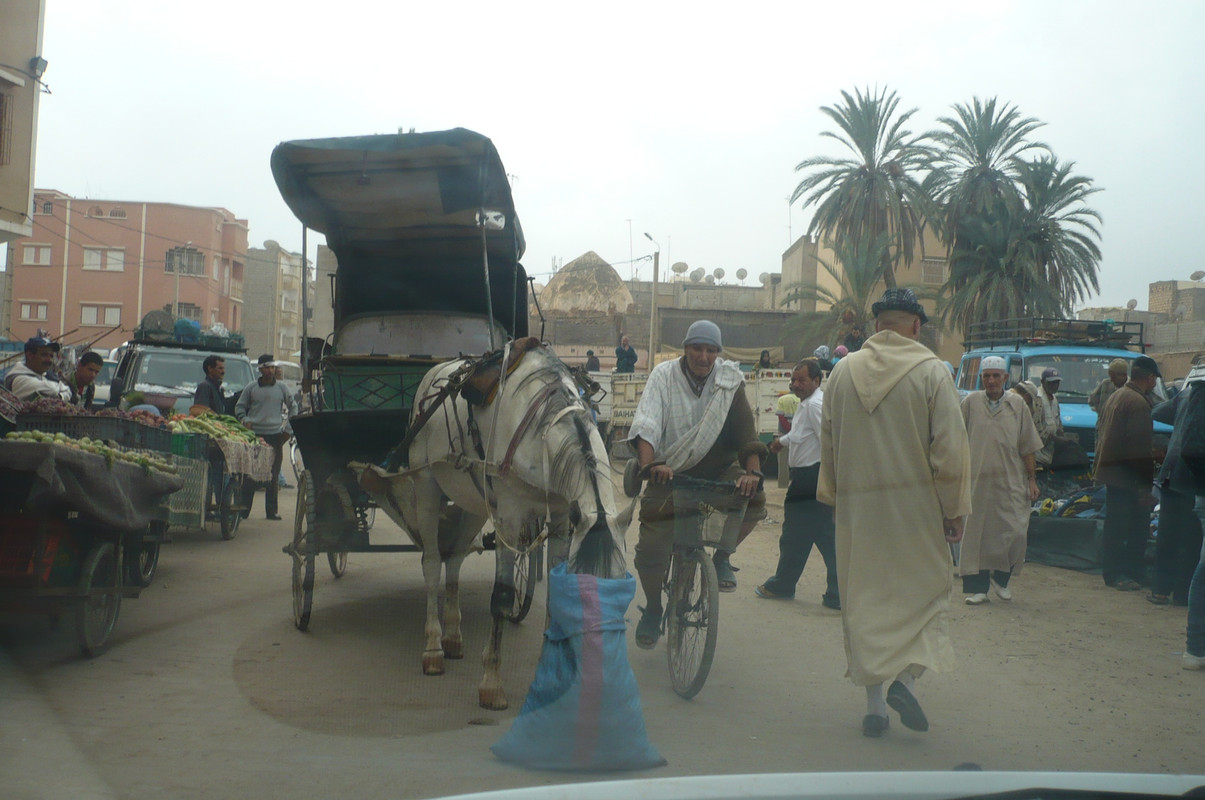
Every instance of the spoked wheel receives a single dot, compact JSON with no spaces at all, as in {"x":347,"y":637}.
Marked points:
{"x":230,"y":512}
{"x":338,"y":563}
{"x":296,"y":460}
{"x":692,"y":622}
{"x":303,"y":556}
{"x":96,"y":612}
{"x":141,"y":562}
{"x":523,"y":576}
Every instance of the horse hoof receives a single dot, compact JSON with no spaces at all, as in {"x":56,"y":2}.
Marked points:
{"x":493,"y":699}
{"x":453,"y":648}
{"x":433,"y":663}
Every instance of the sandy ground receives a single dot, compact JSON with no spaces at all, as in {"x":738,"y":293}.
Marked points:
{"x":209,"y":691}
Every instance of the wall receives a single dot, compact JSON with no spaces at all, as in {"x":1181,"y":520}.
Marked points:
{"x":20,"y":93}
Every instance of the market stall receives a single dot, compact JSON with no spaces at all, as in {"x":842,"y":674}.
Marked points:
{"x":76,"y":518}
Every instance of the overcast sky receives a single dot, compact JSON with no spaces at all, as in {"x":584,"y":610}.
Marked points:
{"x":685,"y":119}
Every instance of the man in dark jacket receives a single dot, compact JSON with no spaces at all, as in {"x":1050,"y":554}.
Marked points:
{"x":1125,"y":464}
{"x":625,"y":356}
{"x":209,"y":391}
{"x":82,"y":382}
{"x":1179,"y":541}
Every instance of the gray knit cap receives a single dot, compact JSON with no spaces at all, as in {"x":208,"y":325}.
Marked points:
{"x":703,"y":331}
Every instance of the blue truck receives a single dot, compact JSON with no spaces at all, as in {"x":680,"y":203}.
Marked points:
{"x":1079,"y":349}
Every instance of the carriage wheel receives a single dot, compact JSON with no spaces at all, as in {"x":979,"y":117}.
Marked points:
{"x":692,"y":622}
{"x":230,"y":512}
{"x":296,"y":460}
{"x":523,"y":578}
{"x":96,"y":614}
{"x":142,"y":561}
{"x":303,"y":556}
{"x":338,"y":563}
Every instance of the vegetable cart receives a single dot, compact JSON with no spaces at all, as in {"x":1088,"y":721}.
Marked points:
{"x":76,"y":517}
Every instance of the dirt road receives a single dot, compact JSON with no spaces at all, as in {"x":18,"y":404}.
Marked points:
{"x":209,"y":691}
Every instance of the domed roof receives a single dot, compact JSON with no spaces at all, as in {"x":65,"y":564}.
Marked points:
{"x":587,"y":284}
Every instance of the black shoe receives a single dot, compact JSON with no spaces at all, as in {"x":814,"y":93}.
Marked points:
{"x":874,"y":726}
{"x":828,"y":601}
{"x":275,"y":517}
{"x":904,"y":704}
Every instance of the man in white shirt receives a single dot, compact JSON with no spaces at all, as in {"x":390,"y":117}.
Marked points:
{"x":32,"y":379}
{"x":1050,"y":425}
{"x":806,"y":521}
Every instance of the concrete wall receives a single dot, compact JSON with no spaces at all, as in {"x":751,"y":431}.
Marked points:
{"x":21,"y":25}
{"x":272,"y":292}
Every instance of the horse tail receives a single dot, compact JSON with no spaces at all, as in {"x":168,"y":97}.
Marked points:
{"x":597,"y":552}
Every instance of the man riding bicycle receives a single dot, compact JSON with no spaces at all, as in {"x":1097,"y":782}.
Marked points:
{"x":693,"y":419}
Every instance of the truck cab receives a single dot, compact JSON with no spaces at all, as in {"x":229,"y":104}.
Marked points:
{"x":1079,"y":349}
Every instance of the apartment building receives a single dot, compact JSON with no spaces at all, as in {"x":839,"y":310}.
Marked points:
{"x":91,"y":269}
{"x":272,"y":295}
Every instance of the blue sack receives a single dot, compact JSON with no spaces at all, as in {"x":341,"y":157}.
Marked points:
{"x":583,"y":708}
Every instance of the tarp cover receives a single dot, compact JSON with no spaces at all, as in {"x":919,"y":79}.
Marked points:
{"x":121,"y":495}
{"x":582,"y":711}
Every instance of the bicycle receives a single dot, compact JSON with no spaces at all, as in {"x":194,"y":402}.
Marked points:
{"x":692,"y":613}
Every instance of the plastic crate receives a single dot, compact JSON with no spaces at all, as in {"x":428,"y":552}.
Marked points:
{"x":189,"y":445}
{"x":124,"y":432}
{"x":186,"y":507}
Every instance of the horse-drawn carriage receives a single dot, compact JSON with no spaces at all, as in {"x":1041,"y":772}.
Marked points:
{"x":428,"y":247}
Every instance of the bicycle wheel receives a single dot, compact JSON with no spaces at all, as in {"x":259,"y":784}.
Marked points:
{"x":692,"y":623}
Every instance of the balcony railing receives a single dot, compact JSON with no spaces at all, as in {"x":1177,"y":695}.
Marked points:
{"x":236,"y":289}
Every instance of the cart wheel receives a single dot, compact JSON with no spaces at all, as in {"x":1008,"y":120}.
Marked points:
{"x":523,"y":578}
{"x":303,"y":555}
{"x":141,"y":562}
{"x":229,"y":512}
{"x":296,"y":460}
{"x":338,"y":562}
{"x":96,"y":614}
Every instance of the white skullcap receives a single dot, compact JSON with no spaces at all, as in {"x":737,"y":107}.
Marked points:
{"x":993,"y":362}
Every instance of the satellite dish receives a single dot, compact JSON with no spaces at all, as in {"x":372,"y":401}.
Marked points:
{"x":679,"y":267}
{"x":158,"y":322}
{"x":710,"y":279}
{"x":718,"y":273}
{"x":1196,"y":276}
{"x":742,"y":273}
{"x":1132,"y":304}
{"x":696,"y":275}
{"x":764,"y":278}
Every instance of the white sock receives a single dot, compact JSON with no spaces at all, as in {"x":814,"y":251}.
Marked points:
{"x":875,"y":704}
{"x":907,"y":679}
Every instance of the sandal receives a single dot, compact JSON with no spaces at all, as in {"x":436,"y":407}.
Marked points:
{"x":1158,"y":599}
{"x":725,"y":574}
{"x":648,"y":630}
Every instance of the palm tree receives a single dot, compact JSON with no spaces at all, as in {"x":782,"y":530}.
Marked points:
{"x":1060,"y":232}
{"x":849,"y":300}
{"x":878,"y":192}
{"x":977,"y":163}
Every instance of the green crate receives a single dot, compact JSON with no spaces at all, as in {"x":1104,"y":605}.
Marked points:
{"x":189,"y":445}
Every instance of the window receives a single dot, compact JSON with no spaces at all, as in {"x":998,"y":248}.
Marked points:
{"x":217,"y":268}
{"x":37,"y":254}
{"x":33,"y":310}
{"x":933,"y":271}
{"x":117,"y":213}
{"x":100,"y":315}
{"x":192,"y":261}
{"x":190,"y":311}
{"x":96,"y":211}
{"x":969,"y":378}
{"x":43,"y":207}
{"x":104,"y":258}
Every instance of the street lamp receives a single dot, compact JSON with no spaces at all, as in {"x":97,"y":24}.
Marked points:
{"x":653,"y":302}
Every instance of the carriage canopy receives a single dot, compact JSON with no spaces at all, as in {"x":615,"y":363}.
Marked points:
{"x":402,"y":213}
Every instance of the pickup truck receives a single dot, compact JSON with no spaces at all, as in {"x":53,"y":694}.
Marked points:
{"x":166,"y":374}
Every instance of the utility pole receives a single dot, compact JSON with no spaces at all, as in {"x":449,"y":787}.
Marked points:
{"x":653,"y":302}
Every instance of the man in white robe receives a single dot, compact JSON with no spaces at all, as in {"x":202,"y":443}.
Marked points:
{"x":895,"y":466}
{"x":1003,"y":442}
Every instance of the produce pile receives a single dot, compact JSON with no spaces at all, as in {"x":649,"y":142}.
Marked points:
{"x":216,"y":426}
{"x":148,"y":461}
{"x":55,"y":407}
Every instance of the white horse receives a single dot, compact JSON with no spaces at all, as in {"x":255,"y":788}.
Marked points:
{"x":511,"y":442}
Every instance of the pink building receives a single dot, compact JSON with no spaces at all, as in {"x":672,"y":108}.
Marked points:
{"x":92,"y":269}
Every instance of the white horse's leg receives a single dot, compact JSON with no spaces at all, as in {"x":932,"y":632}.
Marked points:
{"x":433,"y":653}
{"x":453,"y":644}
{"x":490,"y":693}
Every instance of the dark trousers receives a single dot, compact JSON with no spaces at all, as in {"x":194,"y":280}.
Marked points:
{"x":272,"y":490}
{"x":1123,"y":544}
{"x":805,"y":522}
{"x":1177,"y":546}
{"x":981,"y":581}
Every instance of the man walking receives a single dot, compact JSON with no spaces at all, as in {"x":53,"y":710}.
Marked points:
{"x":625,"y":356}
{"x":259,"y":408}
{"x":1179,"y":541}
{"x":1003,"y":441}
{"x":1048,"y":415}
{"x":1125,"y":464}
{"x":895,"y":465}
{"x":805,"y":521}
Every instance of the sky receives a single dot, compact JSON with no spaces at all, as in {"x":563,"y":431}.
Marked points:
{"x":682,"y":121}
